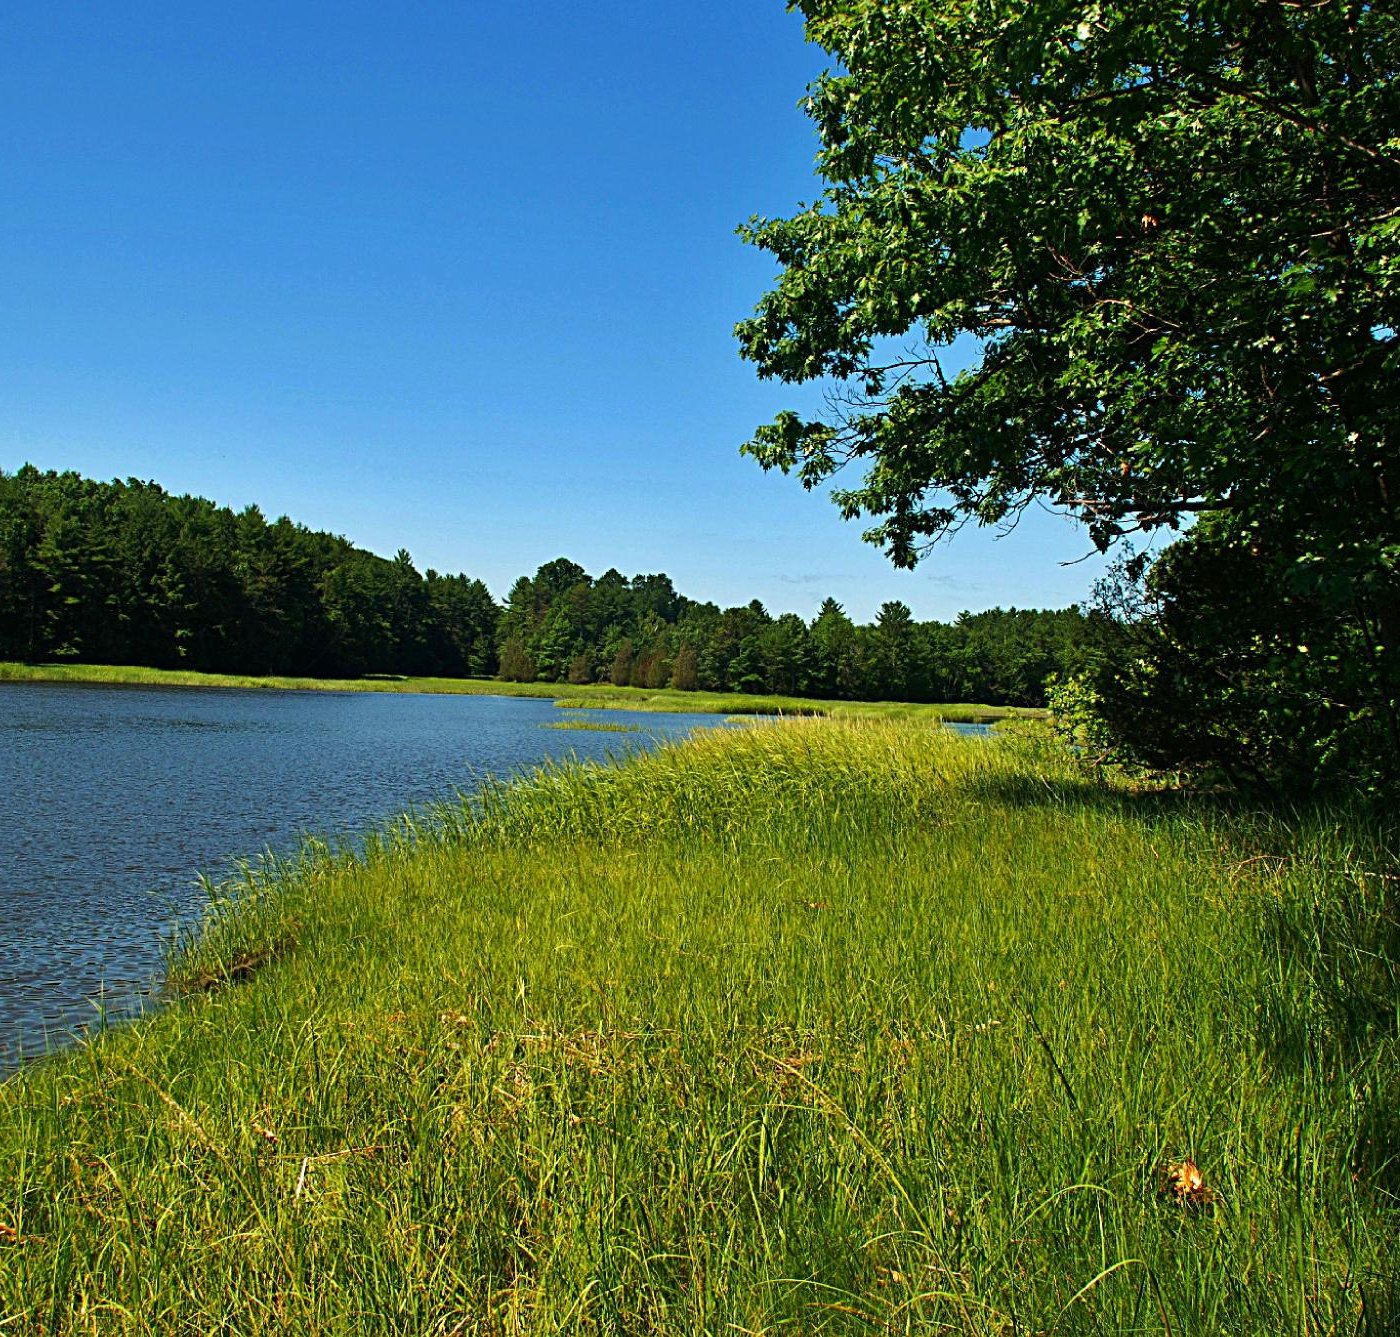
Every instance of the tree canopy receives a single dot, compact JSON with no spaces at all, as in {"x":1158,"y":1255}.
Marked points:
{"x":1172,"y":229}
{"x":126,"y":573}
{"x":1167,"y":236}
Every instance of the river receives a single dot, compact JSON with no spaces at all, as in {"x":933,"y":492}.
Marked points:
{"x":114,"y":799}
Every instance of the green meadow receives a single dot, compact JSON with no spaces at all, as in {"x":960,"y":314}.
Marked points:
{"x":818,"y":1027}
{"x":588,"y":696}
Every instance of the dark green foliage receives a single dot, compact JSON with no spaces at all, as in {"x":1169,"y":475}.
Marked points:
{"x":685,"y":676}
{"x":1173,"y":229}
{"x":122,"y":572}
{"x":621,"y":675}
{"x":516,"y":664}
{"x":561,"y":625}
{"x":1222,"y":662}
{"x":1169,"y":236}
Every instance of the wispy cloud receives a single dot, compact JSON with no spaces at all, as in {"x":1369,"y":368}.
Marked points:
{"x":816,"y":578}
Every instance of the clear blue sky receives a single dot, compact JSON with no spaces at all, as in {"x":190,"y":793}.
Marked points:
{"x":458,"y":277}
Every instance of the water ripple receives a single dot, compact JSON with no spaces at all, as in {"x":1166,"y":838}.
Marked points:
{"x":115,"y":799}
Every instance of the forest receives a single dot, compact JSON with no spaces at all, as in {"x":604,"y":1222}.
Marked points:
{"x":125,"y":573}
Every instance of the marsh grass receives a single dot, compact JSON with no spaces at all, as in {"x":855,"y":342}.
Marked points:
{"x":594,"y":726}
{"x":820,"y":1027}
{"x":601,"y":696}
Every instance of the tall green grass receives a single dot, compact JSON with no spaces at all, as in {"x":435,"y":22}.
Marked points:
{"x":820,"y":1027}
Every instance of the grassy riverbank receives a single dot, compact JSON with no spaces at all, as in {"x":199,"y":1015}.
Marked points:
{"x":824,"y":1027}
{"x":600,"y":696}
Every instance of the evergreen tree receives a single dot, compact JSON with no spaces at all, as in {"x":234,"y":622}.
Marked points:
{"x":123,"y":572}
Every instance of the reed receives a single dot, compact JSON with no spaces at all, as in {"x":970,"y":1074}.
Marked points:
{"x":839,"y":1027}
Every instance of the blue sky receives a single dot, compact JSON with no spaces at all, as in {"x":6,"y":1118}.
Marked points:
{"x":455,"y":277}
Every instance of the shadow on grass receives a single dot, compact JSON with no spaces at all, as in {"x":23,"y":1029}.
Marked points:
{"x":1376,"y":1150}
{"x":1326,"y":925}
{"x":1380,"y":1305}
{"x":1030,"y":789}
{"x":1331,"y":999}
{"x":1338,"y":973}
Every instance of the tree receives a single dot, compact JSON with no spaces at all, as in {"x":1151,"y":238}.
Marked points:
{"x":18,"y":579}
{"x":621,"y":672}
{"x":580,"y":669}
{"x":746,"y":670}
{"x":355,"y":596}
{"x":1171,"y":236}
{"x":836,"y":652}
{"x":555,"y":579}
{"x":734,"y":647}
{"x":892,"y":645}
{"x":685,"y":674}
{"x":1209,"y":667}
{"x":516,"y":664}
{"x":122,"y":572}
{"x":556,"y":644}
{"x":408,"y":613}
{"x":787,"y":651}
{"x":463,"y":625}
{"x":655,"y":595}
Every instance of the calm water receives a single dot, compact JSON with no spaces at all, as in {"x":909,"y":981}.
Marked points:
{"x":113,"y":799}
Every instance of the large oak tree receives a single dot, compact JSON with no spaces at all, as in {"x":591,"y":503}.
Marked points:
{"x":1170,"y":233}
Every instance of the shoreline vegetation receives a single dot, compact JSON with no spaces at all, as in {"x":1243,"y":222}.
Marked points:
{"x":835,"y":1025}
{"x":589,"y":696}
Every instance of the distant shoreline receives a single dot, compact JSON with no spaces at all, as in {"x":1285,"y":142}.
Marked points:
{"x":587,"y":696}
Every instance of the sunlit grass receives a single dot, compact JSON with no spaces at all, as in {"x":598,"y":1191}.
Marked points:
{"x":817,"y":1027}
{"x":594,"y":726}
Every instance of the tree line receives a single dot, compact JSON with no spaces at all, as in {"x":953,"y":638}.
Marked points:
{"x":124,"y":572}
{"x":561,"y":625}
